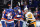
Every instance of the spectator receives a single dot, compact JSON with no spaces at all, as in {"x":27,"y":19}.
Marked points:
{"x":35,"y":14}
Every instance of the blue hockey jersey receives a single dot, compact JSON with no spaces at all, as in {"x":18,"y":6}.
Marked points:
{"x":9,"y":16}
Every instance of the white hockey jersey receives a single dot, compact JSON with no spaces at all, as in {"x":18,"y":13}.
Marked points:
{"x":29,"y":16}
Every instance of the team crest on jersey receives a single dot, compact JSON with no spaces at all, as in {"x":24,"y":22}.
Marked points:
{"x":9,"y":16}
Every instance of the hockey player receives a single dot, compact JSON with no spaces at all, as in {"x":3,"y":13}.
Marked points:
{"x":2,"y":19}
{"x":15,"y":20}
{"x":19,"y":17}
{"x":29,"y":18}
{"x":9,"y":18}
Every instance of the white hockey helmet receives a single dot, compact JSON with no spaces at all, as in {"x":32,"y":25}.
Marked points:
{"x":25,"y":8}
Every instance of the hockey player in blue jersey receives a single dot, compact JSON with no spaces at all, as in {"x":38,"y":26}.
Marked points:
{"x":9,"y":17}
{"x":15,"y":20}
{"x":2,"y":19}
{"x":18,"y":17}
{"x":20,"y":13}
{"x":21,"y":17}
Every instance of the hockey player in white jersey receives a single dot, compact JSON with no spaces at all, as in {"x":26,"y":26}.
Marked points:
{"x":29,"y":18}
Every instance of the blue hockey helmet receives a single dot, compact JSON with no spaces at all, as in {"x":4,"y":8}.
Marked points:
{"x":15,"y":8}
{"x":7,"y":10}
{"x":10,"y":10}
